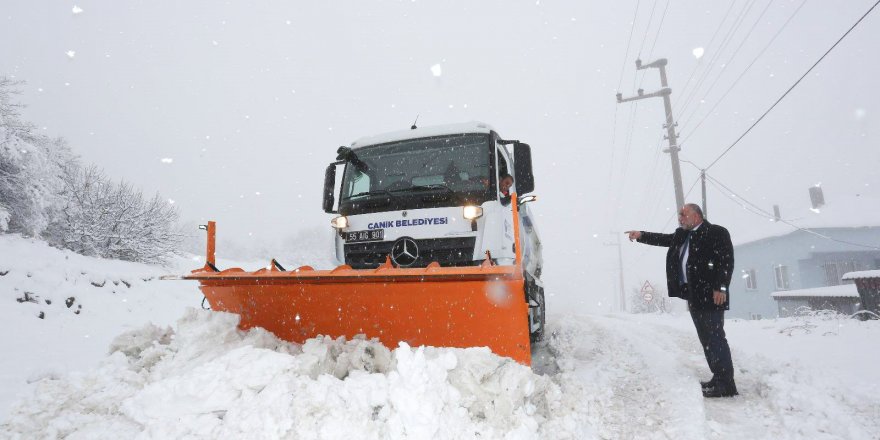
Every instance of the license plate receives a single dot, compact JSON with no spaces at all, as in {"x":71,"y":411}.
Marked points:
{"x":371,"y":235}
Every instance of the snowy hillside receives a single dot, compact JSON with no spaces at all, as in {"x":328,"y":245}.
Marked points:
{"x":175,"y":371}
{"x":60,"y":310}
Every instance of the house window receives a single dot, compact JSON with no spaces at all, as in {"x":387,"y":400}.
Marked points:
{"x":750,"y":279}
{"x":782,"y":278}
{"x":834,"y":270}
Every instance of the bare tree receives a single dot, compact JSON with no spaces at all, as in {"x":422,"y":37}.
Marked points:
{"x":113,"y":219}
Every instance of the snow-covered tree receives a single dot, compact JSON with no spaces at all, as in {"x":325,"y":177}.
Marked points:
{"x":100,"y":217}
{"x":30,"y":169}
{"x":45,"y":192}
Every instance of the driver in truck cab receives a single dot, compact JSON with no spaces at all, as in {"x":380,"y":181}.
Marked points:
{"x":504,"y":184}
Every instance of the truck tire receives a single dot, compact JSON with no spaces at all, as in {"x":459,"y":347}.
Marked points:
{"x":538,"y":294}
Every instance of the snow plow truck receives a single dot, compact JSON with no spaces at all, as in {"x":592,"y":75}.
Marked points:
{"x":431,"y":249}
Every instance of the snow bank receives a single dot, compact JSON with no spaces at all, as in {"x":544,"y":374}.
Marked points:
{"x":614,"y":376}
{"x":210,"y":380}
{"x":60,"y":310}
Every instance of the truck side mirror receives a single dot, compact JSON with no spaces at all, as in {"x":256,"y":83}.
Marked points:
{"x":526,"y":199}
{"x":329,"y":183}
{"x":522,"y":164}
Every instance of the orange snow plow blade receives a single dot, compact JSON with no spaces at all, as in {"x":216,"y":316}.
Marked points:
{"x":478,"y":306}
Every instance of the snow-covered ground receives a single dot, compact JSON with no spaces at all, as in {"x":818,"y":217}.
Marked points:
{"x":140,"y":359}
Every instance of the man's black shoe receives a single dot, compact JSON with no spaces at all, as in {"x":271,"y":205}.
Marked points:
{"x":708,"y":384}
{"x":720,"y":391}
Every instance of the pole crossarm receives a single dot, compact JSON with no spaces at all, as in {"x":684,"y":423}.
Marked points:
{"x":669,"y":125}
{"x":666,"y":91}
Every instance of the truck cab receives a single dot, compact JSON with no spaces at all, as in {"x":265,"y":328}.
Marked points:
{"x":434,"y":194}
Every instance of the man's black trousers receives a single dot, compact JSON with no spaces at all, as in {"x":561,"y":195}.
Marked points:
{"x":710,"y":330}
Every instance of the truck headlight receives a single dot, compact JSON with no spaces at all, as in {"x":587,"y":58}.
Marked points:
{"x":473,"y":212}
{"x":340,"y":222}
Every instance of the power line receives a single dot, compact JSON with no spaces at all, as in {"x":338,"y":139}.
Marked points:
{"x":628,"y":42}
{"x":659,"y":28}
{"x":761,"y":53}
{"x":645,"y":248}
{"x":643,"y":204}
{"x":755,"y":209}
{"x":794,"y":85}
{"x":656,"y":37}
{"x":619,"y":83}
{"x":712,"y":40}
{"x":729,"y":62}
{"x":647,"y":194}
{"x":717,"y":55}
{"x":647,"y":29}
{"x":685,"y":196}
{"x":627,"y":146}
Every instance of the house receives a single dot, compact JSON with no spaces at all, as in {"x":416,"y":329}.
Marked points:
{"x":796,"y":261}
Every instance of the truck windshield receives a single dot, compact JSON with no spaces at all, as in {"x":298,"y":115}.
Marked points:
{"x":445,"y":166}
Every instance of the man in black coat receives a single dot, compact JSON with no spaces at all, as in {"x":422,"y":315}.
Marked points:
{"x":699,"y":265}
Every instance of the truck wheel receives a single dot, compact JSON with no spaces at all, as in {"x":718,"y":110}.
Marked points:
{"x":538,"y":335}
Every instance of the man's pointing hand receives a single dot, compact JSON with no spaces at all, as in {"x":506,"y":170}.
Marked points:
{"x":633,"y":235}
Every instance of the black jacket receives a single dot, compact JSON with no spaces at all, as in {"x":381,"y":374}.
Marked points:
{"x":709,"y":264}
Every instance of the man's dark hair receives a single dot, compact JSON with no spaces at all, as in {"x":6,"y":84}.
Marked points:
{"x":505,"y":175}
{"x":696,"y":208}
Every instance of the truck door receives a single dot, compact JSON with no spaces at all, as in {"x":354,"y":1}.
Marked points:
{"x":504,"y":168}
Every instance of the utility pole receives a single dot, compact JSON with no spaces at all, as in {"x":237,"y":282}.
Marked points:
{"x":673,"y":149}
{"x":703,"y":179}
{"x":620,"y":262}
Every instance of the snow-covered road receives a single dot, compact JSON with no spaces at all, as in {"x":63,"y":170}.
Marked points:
{"x":639,"y":375}
{"x":616,"y":376}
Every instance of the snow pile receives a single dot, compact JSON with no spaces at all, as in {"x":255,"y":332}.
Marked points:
{"x":59,"y":310}
{"x":614,"y":376}
{"x":210,"y":380}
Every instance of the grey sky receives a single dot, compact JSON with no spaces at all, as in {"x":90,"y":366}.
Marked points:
{"x":251,"y":98}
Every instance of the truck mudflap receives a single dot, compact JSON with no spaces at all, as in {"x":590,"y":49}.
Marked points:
{"x":477,"y":306}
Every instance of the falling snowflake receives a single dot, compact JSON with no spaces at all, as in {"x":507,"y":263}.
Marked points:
{"x":167,"y":160}
{"x":70,"y":53}
{"x":698,"y":52}
{"x":76,"y":10}
{"x":436,"y":70}
{"x":171,"y":201}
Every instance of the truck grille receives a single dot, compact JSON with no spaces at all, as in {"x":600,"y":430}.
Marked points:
{"x":446,"y":251}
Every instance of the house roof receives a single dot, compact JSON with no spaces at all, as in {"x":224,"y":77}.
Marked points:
{"x":840,"y":212}
{"x":861,"y":274}
{"x":841,"y":291}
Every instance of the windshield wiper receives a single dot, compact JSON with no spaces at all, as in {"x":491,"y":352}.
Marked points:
{"x":425,"y":188}
{"x":372,"y":193}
